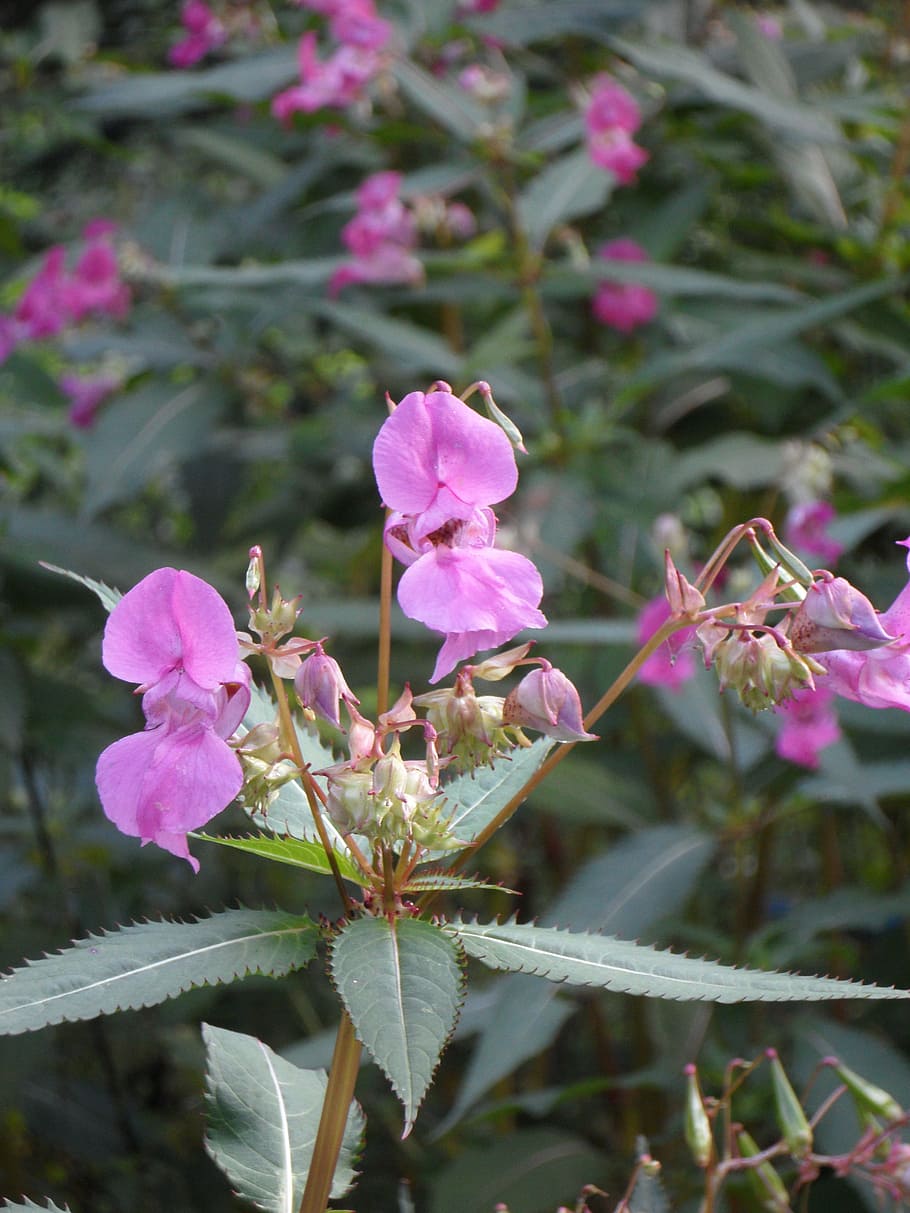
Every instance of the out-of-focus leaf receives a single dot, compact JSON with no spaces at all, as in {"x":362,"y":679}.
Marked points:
{"x":529,"y":1171}
{"x":166,"y":94}
{"x":145,"y":433}
{"x":262,"y":1119}
{"x":402,"y":985}
{"x":416,"y":347}
{"x":567,"y":189}
{"x":315,"y":272}
{"x":674,"y":62}
{"x":540,"y":20}
{"x":237,"y":154}
{"x":665,"y":279}
{"x":851,"y":909}
{"x":451,"y":107}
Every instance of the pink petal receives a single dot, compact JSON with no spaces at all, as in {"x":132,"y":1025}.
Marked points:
{"x":434,"y":441}
{"x":158,"y":784}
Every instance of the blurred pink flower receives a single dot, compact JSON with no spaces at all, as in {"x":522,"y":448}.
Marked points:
{"x":770,"y":27}
{"x":673,"y":663}
{"x":333,"y":83}
{"x":624,"y":306}
{"x":439,"y":466}
{"x":173,"y":634}
{"x":382,"y":236}
{"x":805,"y":529}
{"x":204,"y":32}
{"x":611,"y":118}
{"x":95,"y":287}
{"x":356,"y":23}
{"x":808,"y":725}
{"x":42,"y":309}
{"x":86,"y":395}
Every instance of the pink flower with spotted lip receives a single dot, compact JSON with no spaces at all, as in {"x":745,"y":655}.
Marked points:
{"x":439,"y":466}
{"x":808,"y":726}
{"x":673,"y":663}
{"x":877,"y":678}
{"x":624,"y":306}
{"x":173,"y":634}
{"x":611,"y":118}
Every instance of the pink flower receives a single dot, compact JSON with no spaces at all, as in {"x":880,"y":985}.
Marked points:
{"x":320,"y":686}
{"x":42,"y":310}
{"x":547,"y":701}
{"x":673,"y":663}
{"x":833,"y":616}
{"x":624,"y":306}
{"x":612,"y":117}
{"x":809,"y":724}
{"x":335,"y":82}
{"x":173,"y":634}
{"x":355,"y":23}
{"x":439,"y":466}
{"x":382,"y":236}
{"x":770,"y":27}
{"x":878,"y":678}
{"x":805,"y":529}
{"x":86,"y":395}
{"x":95,"y":286}
{"x":205,"y":32}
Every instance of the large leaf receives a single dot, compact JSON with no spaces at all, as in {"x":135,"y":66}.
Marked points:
{"x":402,"y":985}
{"x":476,"y":797}
{"x":531,"y":21}
{"x":28,"y":1207}
{"x":297,"y":852}
{"x":632,"y":968}
{"x":143,"y":964}
{"x":647,"y":876}
{"x":565,"y":190}
{"x":108,"y":597}
{"x":263,"y":1114}
{"x":665,"y":279}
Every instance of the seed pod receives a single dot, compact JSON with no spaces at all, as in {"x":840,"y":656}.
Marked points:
{"x":795,"y":1128}
{"x":697,"y":1126}
{"x":868,"y":1097}
{"x":767,"y":1186}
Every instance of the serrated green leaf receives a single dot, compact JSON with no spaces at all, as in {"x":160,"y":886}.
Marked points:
{"x":108,"y":597}
{"x":475,"y":798}
{"x":148,"y":962}
{"x":27,"y":1205}
{"x":632,"y":968}
{"x":402,"y":985}
{"x":566,"y":189}
{"x":263,"y":1115}
{"x":298,"y":852}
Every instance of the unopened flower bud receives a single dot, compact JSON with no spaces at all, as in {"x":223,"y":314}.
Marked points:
{"x":547,"y":701}
{"x":762,"y":671}
{"x":794,"y":1126}
{"x":320,"y":685}
{"x":469,"y":727}
{"x":835,"y":615}
{"x":868,"y":1097}
{"x":696,"y":1124}
{"x":349,"y":802}
{"x":767,"y":1186}
{"x":361,"y":734}
{"x":495,"y":413}
{"x":495,"y":668}
{"x":276,"y":620}
{"x":683,"y":597}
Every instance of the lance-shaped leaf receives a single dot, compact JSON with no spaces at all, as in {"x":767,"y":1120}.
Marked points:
{"x":297,"y":852}
{"x":148,"y":962}
{"x":263,"y":1114}
{"x":431,"y":882}
{"x":28,"y":1206}
{"x":617,"y":964}
{"x":107,"y":596}
{"x":402,"y":985}
{"x":474,"y":798}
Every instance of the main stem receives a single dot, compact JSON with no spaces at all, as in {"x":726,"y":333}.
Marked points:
{"x":339,"y":1093}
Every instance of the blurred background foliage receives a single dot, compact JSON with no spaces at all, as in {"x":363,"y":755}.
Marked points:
{"x":775,"y":210}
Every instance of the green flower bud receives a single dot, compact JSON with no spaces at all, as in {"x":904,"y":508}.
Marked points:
{"x":795,"y":1128}
{"x":868,"y":1097}
{"x":696,"y":1125}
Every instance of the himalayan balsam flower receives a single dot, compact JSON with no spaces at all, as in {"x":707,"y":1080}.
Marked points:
{"x":86,"y":395}
{"x":880,"y":677}
{"x":547,"y":701}
{"x":805,"y":528}
{"x":204,"y":33}
{"x":439,"y":467}
{"x":174,"y":636}
{"x":808,"y":725}
{"x":381,"y":237}
{"x":624,"y":306}
{"x":611,"y":119}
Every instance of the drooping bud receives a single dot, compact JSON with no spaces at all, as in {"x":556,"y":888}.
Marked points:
{"x":767,"y":1186}
{"x":696,"y":1124}
{"x":349,"y":802}
{"x":320,"y":686}
{"x":495,"y":413}
{"x":470,"y":728}
{"x":547,"y":701}
{"x":835,"y":615}
{"x":361,"y":735}
{"x":868,"y":1097}
{"x":763,"y":671}
{"x":683,"y":597}
{"x":265,"y":770}
{"x":254,"y":571}
{"x":794,"y":1126}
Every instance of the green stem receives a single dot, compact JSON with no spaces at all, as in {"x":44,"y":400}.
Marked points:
{"x":339,"y":1093}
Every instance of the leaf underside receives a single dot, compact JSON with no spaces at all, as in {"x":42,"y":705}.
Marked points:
{"x":402,"y":985}
{"x":263,"y":1115}
{"x":28,"y":1206}
{"x":145,"y":963}
{"x":631,"y":968}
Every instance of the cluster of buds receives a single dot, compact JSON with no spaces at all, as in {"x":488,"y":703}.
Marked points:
{"x":266,"y":768}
